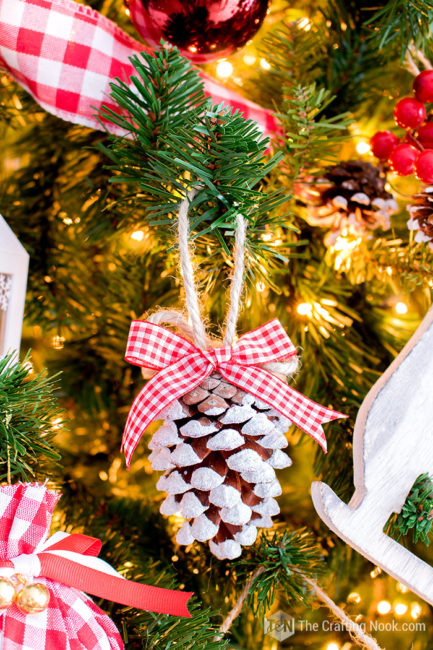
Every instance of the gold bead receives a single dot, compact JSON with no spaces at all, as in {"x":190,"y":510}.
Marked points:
{"x":33,"y":598}
{"x":7,"y":593}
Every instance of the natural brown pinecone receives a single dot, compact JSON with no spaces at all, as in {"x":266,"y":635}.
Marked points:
{"x":220,"y":447}
{"x":421,"y":216}
{"x":351,"y":196}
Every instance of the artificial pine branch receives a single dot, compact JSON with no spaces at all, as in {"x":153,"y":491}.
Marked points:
{"x":416,"y":515}
{"x":403,"y":23}
{"x":179,"y":141}
{"x":27,"y":409}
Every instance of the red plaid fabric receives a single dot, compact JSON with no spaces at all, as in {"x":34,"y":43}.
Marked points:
{"x":182,"y":367}
{"x":72,"y":621}
{"x":66,"y":54}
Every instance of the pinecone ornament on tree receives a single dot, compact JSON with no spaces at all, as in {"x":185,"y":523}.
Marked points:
{"x":350,"y":197}
{"x":421,"y":216}
{"x":219,"y":447}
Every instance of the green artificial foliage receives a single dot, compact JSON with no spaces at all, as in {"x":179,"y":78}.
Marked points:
{"x":28,"y":410}
{"x":98,"y":214}
{"x":416,"y":516}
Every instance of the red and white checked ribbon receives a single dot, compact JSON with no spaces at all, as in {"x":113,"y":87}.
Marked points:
{"x":182,"y":367}
{"x":66,"y":54}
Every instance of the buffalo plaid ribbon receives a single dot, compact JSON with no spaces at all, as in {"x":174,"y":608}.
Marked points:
{"x":66,"y":54}
{"x":68,"y":566}
{"x":181,"y":367}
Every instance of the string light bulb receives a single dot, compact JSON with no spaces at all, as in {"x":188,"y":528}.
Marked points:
{"x":264,"y":64}
{"x":332,"y":646}
{"x":415,"y":610}
{"x":363,"y":147}
{"x":58,"y":342}
{"x":224,"y":69}
{"x":354,"y":597}
{"x":384,"y":607}
{"x":304,"y":24}
{"x":138,"y":235}
{"x":249,"y":59}
{"x":400,"y":609}
{"x":401,"y":308}
{"x":304,"y":309}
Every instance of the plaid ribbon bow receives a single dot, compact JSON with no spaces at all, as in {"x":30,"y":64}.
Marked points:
{"x":66,"y":54}
{"x":181,"y":367}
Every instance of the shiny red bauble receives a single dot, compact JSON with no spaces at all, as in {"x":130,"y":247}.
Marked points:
{"x":382,"y":143}
{"x":402,"y":159}
{"x":409,"y":113}
{"x":203,"y":30}
{"x":425,"y":135}
{"x":424,"y":166}
{"x":423,"y":86}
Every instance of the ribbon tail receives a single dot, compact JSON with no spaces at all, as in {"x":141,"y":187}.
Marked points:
{"x":118,"y":590}
{"x":299,"y":409}
{"x":163,"y":389}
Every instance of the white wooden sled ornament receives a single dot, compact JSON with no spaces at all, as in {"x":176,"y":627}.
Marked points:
{"x":392,"y":446}
{"x":14,"y":263}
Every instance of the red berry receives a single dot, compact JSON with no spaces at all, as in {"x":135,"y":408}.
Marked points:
{"x":402,"y":159}
{"x":424,"y":166}
{"x":382,"y":143}
{"x":425,"y":135}
{"x":423,"y":86}
{"x":409,"y":113}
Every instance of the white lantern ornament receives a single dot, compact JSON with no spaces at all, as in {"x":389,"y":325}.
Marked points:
{"x":14,"y":264}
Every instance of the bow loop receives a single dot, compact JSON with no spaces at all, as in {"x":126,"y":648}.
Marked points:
{"x":155,"y":347}
{"x":182,"y":367}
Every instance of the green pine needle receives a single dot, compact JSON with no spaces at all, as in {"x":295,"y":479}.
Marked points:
{"x":27,"y":409}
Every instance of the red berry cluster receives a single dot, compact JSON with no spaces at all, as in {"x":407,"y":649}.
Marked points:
{"x":413,"y":152}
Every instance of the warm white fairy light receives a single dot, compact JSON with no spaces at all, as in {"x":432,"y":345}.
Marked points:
{"x":384,"y":607}
{"x":363,"y":147}
{"x":58,"y":342}
{"x":56,"y":423}
{"x":304,"y":24}
{"x":415,"y":610}
{"x":249,"y":59}
{"x":354,"y":597}
{"x":138,"y":235}
{"x":332,"y":646}
{"x":304,"y":309}
{"x":260,"y":286}
{"x":264,"y":64}
{"x":376,"y":571}
{"x":400,"y":609}
{"x":224,"y":69}
{"x":401,"y":308}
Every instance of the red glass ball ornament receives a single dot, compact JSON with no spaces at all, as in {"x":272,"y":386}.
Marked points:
{"x":409,"y":113}
{"x":382,"y":143}
{"x":402,"y":159}
{"x":203,"y":30}
{"x":424,"y":166}
{"x":423,"y":86}
{"x":425,"y":135}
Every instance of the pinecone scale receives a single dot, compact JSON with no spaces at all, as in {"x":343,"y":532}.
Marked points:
{"x":219,"y":447}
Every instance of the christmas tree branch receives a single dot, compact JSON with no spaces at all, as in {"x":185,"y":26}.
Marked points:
{"x":236,"y":610}
{"x":27,"y":410}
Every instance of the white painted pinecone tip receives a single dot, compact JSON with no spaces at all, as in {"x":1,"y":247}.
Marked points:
{"x":219,"y":447}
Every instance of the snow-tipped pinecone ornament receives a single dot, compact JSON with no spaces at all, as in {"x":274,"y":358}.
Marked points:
{"x":351,"y":197}
{"x":219,"y":447}
{"x":421,"y":216}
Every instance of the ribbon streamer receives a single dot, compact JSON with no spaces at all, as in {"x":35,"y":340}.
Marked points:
{"x":72,"y":560}
{"x":66,"y":54}
{"x":182,"y":367}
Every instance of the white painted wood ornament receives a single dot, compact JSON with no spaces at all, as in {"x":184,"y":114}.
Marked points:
{"x":14,"y":263}
{"x":392,"y":446}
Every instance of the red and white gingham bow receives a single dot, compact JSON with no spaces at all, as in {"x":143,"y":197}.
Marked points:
{"x":182,"y":367}
{"x":66,"y":54}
